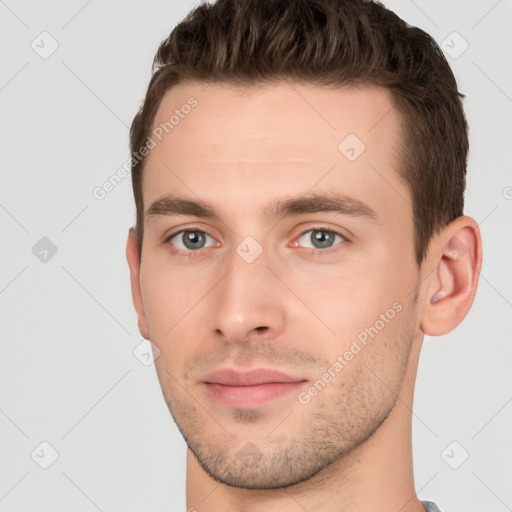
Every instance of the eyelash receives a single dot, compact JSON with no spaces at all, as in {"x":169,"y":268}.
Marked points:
{"x":192,"y":253}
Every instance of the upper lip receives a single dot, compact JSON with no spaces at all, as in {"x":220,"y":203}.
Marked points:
{"x":232,"y":377}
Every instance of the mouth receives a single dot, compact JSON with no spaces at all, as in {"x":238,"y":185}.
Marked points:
{"x":249,"y":389}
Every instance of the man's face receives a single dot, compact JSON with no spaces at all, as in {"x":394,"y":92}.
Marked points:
{"x":296,"y":290}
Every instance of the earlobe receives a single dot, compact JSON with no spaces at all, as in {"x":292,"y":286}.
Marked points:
{"x":132,"y":257}
{"x":451,"y":287}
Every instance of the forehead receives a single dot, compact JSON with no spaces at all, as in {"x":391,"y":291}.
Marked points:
{"x":270,"y":113}
{"x":285,"y":137}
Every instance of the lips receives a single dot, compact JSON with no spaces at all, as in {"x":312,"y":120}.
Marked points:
{"x":249,"y":389}
{"x":229,"y":377}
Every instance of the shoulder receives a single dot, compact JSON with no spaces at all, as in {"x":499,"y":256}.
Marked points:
{"x":431,"y":506}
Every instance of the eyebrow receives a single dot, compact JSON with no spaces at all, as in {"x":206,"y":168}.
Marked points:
{"x":170,"y":205}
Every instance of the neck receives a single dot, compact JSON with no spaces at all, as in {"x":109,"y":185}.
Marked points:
{"x":377,"y":475}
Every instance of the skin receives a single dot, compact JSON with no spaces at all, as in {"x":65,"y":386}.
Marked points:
{"x":295,"y":308}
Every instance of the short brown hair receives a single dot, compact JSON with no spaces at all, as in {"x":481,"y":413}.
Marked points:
{"x":327,"y":43}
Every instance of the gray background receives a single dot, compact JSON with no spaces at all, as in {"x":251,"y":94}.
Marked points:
{"x":68,"y":373}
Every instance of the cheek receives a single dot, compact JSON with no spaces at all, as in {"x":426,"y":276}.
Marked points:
{"x":346,"y":299}
{"x":363,"y":301}
{"x":166,"y":297}
{"x":167,"y":301}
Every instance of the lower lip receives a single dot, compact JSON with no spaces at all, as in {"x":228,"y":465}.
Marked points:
{"x":251,"y":396}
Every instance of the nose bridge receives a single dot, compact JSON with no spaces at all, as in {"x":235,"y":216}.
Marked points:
{"x":248,"y":296}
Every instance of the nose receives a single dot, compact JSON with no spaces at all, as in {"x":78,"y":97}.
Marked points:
{"x":249,"y":303}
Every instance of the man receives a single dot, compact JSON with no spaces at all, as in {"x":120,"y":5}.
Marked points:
{"x":299,"y":172}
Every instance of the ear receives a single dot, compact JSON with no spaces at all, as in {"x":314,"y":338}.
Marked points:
{"x":132,"y":256}
{"x":456,"y":257}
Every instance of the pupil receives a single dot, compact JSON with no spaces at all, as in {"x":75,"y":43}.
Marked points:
{"x":321,"y":239}
{"x":192,"y":238}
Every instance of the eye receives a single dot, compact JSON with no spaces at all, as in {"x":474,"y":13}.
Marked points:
{"x":190,"y":240}
{"x":320,"y":238}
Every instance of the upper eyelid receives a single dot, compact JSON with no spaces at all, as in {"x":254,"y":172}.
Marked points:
{"x":322,"y":229}
{"x":171,"y":233}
